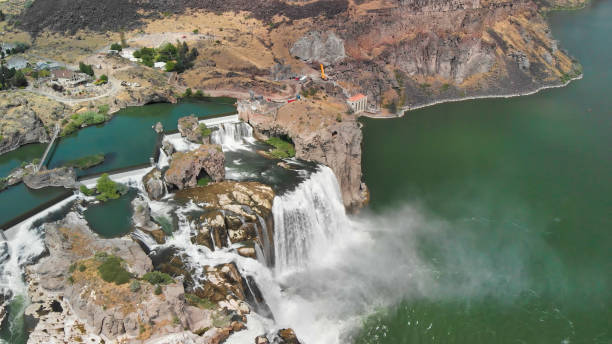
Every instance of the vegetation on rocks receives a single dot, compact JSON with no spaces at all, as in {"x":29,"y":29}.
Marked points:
{"x":86,"y":162}
{"x":205,"y":130}
{"x":282,"y":149}
{"x":112,"y":270}
{"x":156,"y":277}
{"x":196,"y":301}
{"x":79,"y":120}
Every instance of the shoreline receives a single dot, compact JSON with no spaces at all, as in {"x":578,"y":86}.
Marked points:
{"x":492,"y":96}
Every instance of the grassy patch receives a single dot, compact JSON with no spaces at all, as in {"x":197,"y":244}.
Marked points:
{"x":282,"y":149}
{"x":79,"y":120}
{"x":203,"y":181}
{"x":196,"y":301}
{"x":111,"y":270}
{"x":86,"y":162}
{"x":108,"y":189}
{"x":156,"y":277}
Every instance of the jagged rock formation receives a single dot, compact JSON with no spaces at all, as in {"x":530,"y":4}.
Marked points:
{"x":234,"y":212}
{"x":318,"y":136}
{"x":70,"y":299}
{"x":154,"y":184}
{"x":186,"y":167}
{"x":63,"y":176}
{"x":20,"y":124}
{"x":190,"y":129}
{"x":141,"y":218}
{"x":324,"y":48}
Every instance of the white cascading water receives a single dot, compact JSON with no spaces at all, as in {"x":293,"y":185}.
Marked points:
{"x":232,"y":135}
{"x":308,"y":220}
{"x":24,"y":245}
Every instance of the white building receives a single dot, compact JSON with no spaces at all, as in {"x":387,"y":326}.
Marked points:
{"x":358,"y":103}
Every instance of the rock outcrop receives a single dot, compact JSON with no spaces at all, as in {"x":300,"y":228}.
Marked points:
{"x":234,"y":212}
{"x":71,"y":300}
{"x":154,"y":184}
{"x":63,"y":176}
{"x":186,"y":167}
{"x":326,"y":48}
{"x":318,"y":136}
{"x":20,"y":124}
{"x":190,"y":129}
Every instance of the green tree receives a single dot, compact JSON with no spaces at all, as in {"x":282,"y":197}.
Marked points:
{"x":107,"y":188}
{"x":19,"y":80}
{"x":85,"y":68}
{"x":116,"y":46}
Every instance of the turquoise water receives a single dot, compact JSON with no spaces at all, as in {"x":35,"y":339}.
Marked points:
{"x":13,"y":159}
{"x":516,"y":200}
{"x":120,"y":223}
{"x":127,"y":140}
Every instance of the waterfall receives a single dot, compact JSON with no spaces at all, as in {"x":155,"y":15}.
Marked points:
{"x":25,"y":245}
{"x":308,"y":220}
{"x":232,"y":135}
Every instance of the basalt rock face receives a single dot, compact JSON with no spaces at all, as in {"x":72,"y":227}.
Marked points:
{"x":415,"y":52}
{"x":185,"y":167}
{"x":325,"y":48}
{"x":63,"y":176}
{"x":318,"y":136}
{"x":236,"y":213}
{"x":20,"y":124}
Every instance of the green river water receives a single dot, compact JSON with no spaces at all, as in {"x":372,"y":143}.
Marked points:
{"x":524,"y":189}
{"x":127,"y":140}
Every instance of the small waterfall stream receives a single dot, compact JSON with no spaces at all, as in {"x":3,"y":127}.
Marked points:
{"x":232,"y":135}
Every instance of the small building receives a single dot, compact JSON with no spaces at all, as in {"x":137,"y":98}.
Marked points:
{"x":358,"y":102}
{"x":16,"y":62}
{"x":69,"y":77}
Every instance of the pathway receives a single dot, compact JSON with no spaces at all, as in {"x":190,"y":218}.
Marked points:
{"x":44,"y":157}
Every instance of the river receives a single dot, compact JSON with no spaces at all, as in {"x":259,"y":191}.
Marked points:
{"x":126,"y":140}
{"x":512,"y":200}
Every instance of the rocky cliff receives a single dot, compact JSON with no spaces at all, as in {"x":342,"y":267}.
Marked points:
{"x":322,"y":132}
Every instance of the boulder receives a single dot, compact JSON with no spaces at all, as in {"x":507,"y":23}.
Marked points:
{"x":154,"y":185}
{"x":159,"y":128}
{"x":186,"y":167}
{"x":190,"y":129}
{"x":287,"y":336}
{"x":63,"y":176}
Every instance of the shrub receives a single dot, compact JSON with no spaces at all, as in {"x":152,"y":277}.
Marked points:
{"x":70,"y":279}
{"x":199,"y":94}
{"x":107,"y":188}
{"x":111,"y":270}
{"x":86,"y":191}
{"x":156,"y":277}
{"x":135,"y":286}
{"x":116,"y":46}
{"x":100,"y":256}
{"x":82,"y":268}
{"x":196,"y":301}
{"x":204,"y":130}
{"x":104,"y":108}
{"x":196,"y":31}
{"x":158,"y":290}
{"x":85,"y":68}
{"x":72,"y":267}
{"x":188,"y":93}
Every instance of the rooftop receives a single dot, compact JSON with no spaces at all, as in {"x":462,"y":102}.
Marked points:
{"x":356,"y":97}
